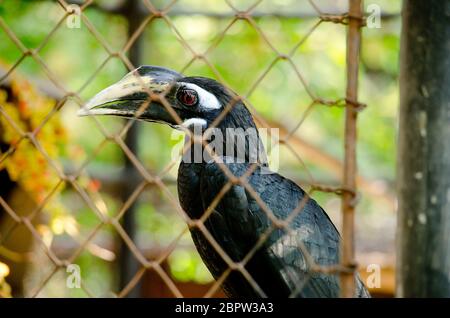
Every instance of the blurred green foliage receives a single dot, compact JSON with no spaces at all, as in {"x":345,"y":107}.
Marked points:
{"x":240,"y":57}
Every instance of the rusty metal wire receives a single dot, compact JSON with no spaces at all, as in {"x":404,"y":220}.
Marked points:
{"x":353,"y":21}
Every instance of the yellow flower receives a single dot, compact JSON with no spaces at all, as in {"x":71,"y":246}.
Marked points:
{"x":5,"y":289}
{"x":4,"y":271}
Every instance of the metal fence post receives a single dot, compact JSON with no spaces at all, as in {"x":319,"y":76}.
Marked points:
{"x":349,"y":179}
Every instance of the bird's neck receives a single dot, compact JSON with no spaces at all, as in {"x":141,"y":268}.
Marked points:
{"x":229,"y":145}
{"x":234,"y":138}
{"x":225,"y":143}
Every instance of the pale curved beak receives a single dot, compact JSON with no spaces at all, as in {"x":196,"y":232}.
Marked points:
{"x":125,"y":97}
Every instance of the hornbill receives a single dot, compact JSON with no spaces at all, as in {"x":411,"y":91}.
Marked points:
{"x":282,"y":265}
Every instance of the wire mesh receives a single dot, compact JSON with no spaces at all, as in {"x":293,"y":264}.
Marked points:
{"x":353,"y":21}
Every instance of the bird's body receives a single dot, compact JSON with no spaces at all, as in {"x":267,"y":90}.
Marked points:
{"x":279,"y":266}
{"x":281,"y":263}
{"x":238,"y":221}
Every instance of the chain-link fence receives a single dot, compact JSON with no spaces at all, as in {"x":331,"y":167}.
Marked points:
{"x":137,"y":177}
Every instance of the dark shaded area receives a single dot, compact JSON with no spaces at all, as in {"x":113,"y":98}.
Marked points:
{"x":424,"y":151}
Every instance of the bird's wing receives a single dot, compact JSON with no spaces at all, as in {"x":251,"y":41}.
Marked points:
{"x":281,"y":265}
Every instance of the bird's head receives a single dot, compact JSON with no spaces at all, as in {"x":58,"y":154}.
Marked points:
{"x":157,"y":94}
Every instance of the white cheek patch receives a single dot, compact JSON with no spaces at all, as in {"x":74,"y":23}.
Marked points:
{"x":206,"y":99}
{"x":193,"y":122}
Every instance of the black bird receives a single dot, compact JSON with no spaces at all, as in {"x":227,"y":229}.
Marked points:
{"x":279,"y":267}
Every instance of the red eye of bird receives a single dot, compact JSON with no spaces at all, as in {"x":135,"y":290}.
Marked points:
{"x":187,"y":97}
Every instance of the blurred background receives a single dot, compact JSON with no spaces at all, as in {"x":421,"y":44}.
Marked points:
{"x":41,"y":91}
